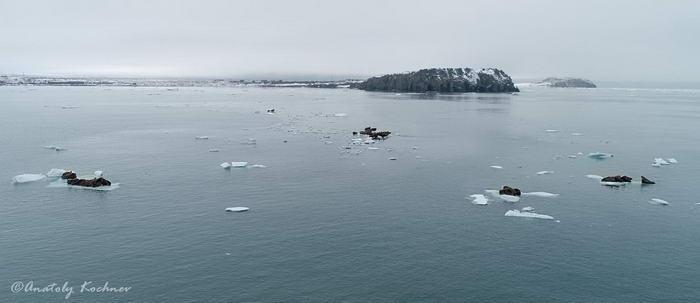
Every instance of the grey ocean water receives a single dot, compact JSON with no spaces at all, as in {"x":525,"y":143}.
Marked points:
{"x":328,"y":224}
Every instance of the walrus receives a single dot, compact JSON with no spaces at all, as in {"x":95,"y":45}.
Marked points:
{"x":97,"y":182}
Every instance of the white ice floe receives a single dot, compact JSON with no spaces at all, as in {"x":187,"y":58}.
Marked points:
{"x":517,"y":213}
{"x":528,"y":208}
{"x":599,"y":155}
{"x":373,"y":148}
{"x":545,"y":172}
{"x":55,"y":172}
{"x":479,"y":199}
{"x":596,"y":177}
{"x":214,"y":150}
{"x":64,"y":184}
{"x":573,"y":156}
{"x":614,"y":184}
{"x":368,"y":141}
{"x":551,"y":130}
{"x":340,"y":115}
{"x":506,"y":198}
{"x":24,"y":178}
{"x":656,"y":201}
{"x":496,"y":167}
{"x":225,"y":165}
{"x":672,"y":160}
{"x":98,"y":174}
{"x":576,"y":134}
{"x":258,"y":166}
{"x":54,"y":147}
{"x":239,"y":164}
{"x":541,"y":194}
{"x":201,"y":137}
{"x":237,"y":209}
{"x":660,"y":161}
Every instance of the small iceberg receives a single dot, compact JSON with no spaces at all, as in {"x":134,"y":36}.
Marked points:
{"x":340,"y":115}
{"x":55,"y":172}
{"x":596,"y":177}
{"x":541,"y":194}
{"x":237,"y":209}
{"x":496,"y":167}
{"x":258,"y":166}
{"x":517,"y":213}
{"x":660,"y":161}
{"x":54,"y":147}
{"x":600,"y":156}
{"x":545,"y":172}
{"x":373,"y":148}
{"x":528,"y":208}
{"x":656,"y":201}
{"x":551,"y":130}
{"x":25,"y":178}
{"x":201,"y":138}
{"x":225,"y":165}
{"x":239,"y":164}
{"x":479,"y":199}
{"x":672,"y":160}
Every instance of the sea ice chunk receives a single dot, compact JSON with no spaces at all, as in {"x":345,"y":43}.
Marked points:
{"x":225,"y":165}
{"x":98,"y":174}
{"x":258,"y":166}
{"x":545,"y":172}
{"x":24,"y":178}
{"x":540,"y":194}
{"x":672,"y":160}
{"x":55,"y":172}
{"x":239,"y":164}
{"x":551,"y":130}
{"x":340,"y":115}
{"x":496,"y":167}
{"x":659,"y":161}
{"x":479,"y":199}
{"x":201,"y":137}
{"x":594,"y":177}
{"x":656,"y":201}
{"x":616,"y":184}
{"x":528,"y":208}
{"x":373,"y":148}
{"x":517,"y":213}
{"x":237,"y":209}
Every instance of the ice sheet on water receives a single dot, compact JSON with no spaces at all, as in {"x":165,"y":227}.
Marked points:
{"x":545,"y":172}
{"x":656,"y":201}
{"x":517,"y":213}
{"x":258,"y":166}
{"x":64,"y":184}
{"x":479,"y":199}
{"x":201,"y":137}
{"x":596,"y":177}
{"x":25,"y":178}
{"x":496,"y":167}
{"x":373,"y":148}
{"x":672,"y":160}
{"x":55,"y":172}
{"x":541,"y":194}
{"x":239,"y":164}
{"x":237,"y":209}
{"x":659,"y":161}
{"x":225,"y":165}
{"x":528,"y":208}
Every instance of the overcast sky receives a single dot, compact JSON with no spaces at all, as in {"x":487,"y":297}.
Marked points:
{"x":602,"y":40}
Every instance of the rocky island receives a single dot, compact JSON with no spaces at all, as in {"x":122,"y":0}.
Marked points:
{"x":567,"y":82}
{"x":442,"y":80}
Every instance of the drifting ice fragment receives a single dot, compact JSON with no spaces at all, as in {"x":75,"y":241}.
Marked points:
{"x":479,"y":199}
{"x":541,"y":194}
{"x":239,"y":164}
{"x":551,"y":130}
{"x":672,"y":160}
{"x":24,"y":178}
{"x":656,"y":201}
{"x":392,"y":158}
{"x":98,"y":174}
{"x":373,"y":148}
{"x":496,"y":167}
{"x":237,"y":209}
{"x":545,"y":172}
{"x":660,"y":161}
{"x":56,"y":148}
{"x":201,"y":137}
{"x":225,"y":165}
{"x":576,"y":134}
{"x":528,"y":208}
{"x":594,"y":177}
{"x":55,"y":172}
{"x":214,"y":150}
{"x":599,"y":155}
{"x":517,"y":213}
{"x":257,"y":166}
{"x":340,"y":115}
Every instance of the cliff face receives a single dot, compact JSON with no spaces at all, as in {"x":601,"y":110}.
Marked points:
{"x":567,"y":82}
{"x":444,"y":80}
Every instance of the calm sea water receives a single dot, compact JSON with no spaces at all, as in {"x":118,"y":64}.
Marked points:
{"x":329,"y":224}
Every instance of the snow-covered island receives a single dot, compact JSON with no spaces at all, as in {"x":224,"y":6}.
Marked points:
{"x":567,"y":82}
{"x":443,"y":80}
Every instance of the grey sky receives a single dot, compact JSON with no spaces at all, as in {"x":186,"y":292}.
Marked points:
{"x":601,"y":40}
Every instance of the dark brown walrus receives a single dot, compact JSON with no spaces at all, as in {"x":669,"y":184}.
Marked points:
{"x":97,"y":182}
{"x":510,"y":191}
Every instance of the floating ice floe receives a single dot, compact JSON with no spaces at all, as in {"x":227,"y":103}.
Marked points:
{"x":573,"y":156}
{"x":528,"y":208}
{"x":63,"y":184}
{"x":225,"y":165}
{"x":576,"y":134}
{"x":24,"y":178}
{"x":54,"y":147}
{"x":527,"y":214}
{"x":98,"y":174}
{"x":656,"y":201}
{"x":239,"y":164}
{"x":614,"y":184}
{"x":545,"y":172}
{"x":507,"y":198}
{"x":393,"y":158}
{"x":69,"y":107}
{"x":496,"y":167}
{"x":660,"y":161}
{"x":258,"y":166}
{"x":672,"y":160}
{"x":368,"y":141}
{"x":201,"y":137}
{"x":237,"y":209}
{"x":214,"y":150}
{"x":373,"y":148}
{"x":541,"y":194}
{"x":551,"y":130}
{"x":55,"y":172}
{"x":596,"y":177}
{"x":340,"y":115}
{"x":479,"y":199}
{"x":250,"y":141}
{"x":599,"y":155}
